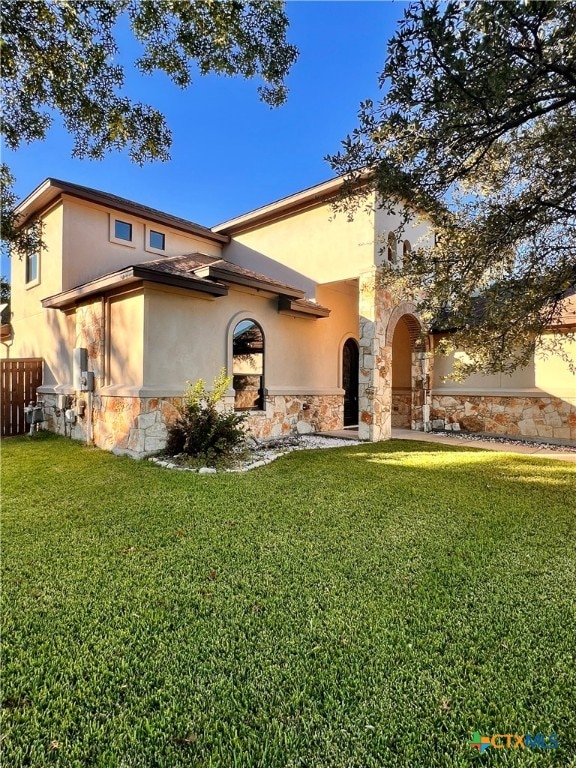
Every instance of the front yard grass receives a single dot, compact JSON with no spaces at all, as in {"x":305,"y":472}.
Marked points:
{"x":366,"y":606}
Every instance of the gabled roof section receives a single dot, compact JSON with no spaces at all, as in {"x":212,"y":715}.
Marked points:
{"x":307,"y":198}
{"x":52,"y":189}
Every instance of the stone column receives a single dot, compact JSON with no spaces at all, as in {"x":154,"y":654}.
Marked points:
{"x":375,"y":374}
{"x":420,"y":387}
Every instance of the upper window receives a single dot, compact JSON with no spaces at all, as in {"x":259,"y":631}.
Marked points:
{"x":248,"y":366}
{"x":32,"y":266}
{"x":406,"y":250}
{"x":392,"y":248}
{"x":123,"y":230}
{"x":157,"y":240}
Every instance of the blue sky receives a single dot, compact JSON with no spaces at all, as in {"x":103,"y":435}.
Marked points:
{"x":232,"y":153}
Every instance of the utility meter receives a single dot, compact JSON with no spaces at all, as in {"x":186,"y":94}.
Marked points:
{"x":87,"y":381}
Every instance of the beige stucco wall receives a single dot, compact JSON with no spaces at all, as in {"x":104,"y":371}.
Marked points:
{"x":321,"y":245}
{"x":309,"y":247}
{"x":416,"y":232}
{"x":38,"y":332}
{"x":89,"y":252}
{"x":553,"y":376}
{"x":190,"y":338}
{"x":548,"y":375}
{"x":125,"y":342}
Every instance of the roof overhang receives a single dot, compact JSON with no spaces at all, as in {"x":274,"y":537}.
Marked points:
{"x":307,"y":198}
{"x":132,"y":276}
{"x":51,"y":190}
{"x":301,"y":308}
{"x":215,"y":272}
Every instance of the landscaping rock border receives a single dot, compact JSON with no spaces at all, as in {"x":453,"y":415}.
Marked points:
{"x":486,"y":438}
{"x":263,"y":453}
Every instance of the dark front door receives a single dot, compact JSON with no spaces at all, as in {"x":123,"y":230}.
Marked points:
{"x":350,"y":382}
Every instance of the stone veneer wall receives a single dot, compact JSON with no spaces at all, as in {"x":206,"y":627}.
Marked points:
{"x":138,"y":426}
{"x":131,"y":425}
{"x":286,"y":414}
{"x":527,"y":416}
{"x":375,"y":364}
{"x":402,"y":409}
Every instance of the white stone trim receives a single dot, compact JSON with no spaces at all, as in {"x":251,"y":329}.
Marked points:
{"x":121,"y":390}
{"x":453,"y":392}
{"x":57,"y":389}
{"x":303,"y":391}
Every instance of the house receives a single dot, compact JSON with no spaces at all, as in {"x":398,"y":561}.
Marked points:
{"x":286,"y":298}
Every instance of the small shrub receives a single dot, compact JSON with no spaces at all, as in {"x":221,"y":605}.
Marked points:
{"x":202,"y":430}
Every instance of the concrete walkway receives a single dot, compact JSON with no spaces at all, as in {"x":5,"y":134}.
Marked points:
{"x":430,"y":437}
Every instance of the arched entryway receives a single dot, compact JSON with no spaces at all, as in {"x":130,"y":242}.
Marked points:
{"x":350,"y":359}
{"x":402,"y":375}
{"x":409,"y":369}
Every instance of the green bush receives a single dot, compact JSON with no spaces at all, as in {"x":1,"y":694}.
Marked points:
{"x":202,"y":430}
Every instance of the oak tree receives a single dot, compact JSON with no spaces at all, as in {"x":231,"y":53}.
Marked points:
{"x":61,"y":57}
{"x":476,"y":130}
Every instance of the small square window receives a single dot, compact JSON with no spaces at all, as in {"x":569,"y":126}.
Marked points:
{"x":157,"y":240}
{"x":123,"y":230}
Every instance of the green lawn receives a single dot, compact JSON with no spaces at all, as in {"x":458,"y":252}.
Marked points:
{"x":362,"y":606}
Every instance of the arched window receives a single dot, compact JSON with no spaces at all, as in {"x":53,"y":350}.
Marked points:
{"x":248,"y":366}
{"x":392,"y":248}
{"x":406,"y":249}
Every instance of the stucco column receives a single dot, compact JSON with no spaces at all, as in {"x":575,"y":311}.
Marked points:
{"x":375,"y":374}
{"x":90,"y":334}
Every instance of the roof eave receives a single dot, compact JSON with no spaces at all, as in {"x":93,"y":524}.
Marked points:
{"x":289,"y":306}
{"x":130,"y":276}
{"x":52,"y":189}
{"x":307,"y":198}
{"x":217,"y":273}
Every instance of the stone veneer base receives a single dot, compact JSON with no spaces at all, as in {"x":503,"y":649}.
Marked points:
{"x":290,"y":413}
{"x":138,"y":426}
{"x":528,"y":416}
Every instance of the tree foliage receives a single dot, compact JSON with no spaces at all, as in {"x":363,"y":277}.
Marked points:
{"x":61,"y":57}
{"x":5,"y":296}
{"x":478,"y":130}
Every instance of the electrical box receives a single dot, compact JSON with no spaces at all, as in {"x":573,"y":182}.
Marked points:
{"x":34,"y":413}
{"x":80,"y":364}
{"x":87,"y":381}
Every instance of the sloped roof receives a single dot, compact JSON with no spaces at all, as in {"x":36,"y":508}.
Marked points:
{"x":51,"y":189}
{"x":220,"y":269}
{"x":195,"y":271}
{"x":131,"y":275}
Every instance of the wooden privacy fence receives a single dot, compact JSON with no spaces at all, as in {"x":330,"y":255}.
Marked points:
{"x":19,"y":380}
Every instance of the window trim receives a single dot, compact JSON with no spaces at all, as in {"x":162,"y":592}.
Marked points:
{"x":235,"y":321}
{"x":392,"y":248}
{"x":406,"y":250}
{"x":31,"y":283}
{"x":150,"y":248}
{"x":112,"y":230}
